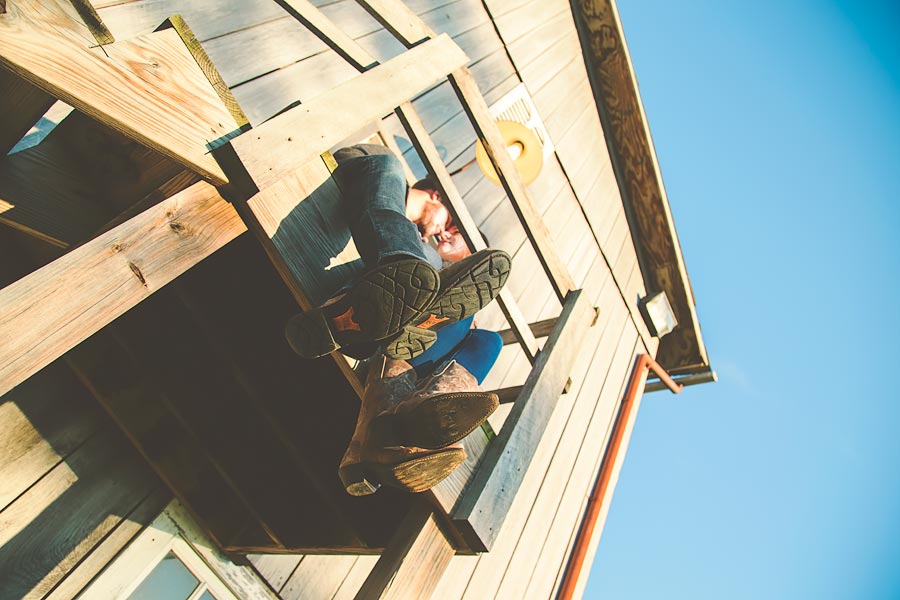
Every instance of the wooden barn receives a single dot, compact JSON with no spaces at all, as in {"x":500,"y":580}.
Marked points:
{"x":167,"y":204}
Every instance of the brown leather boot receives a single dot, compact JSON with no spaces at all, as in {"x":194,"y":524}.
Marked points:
{"x":445,"y":408}
{"x":367,"y":465}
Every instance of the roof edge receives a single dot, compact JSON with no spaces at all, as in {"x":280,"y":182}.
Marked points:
{"x":635,"y":163}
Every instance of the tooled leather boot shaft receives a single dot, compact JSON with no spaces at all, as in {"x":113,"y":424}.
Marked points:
{"x":450,"y":377}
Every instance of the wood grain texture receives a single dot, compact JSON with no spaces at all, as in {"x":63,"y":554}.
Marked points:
{"x":397,"y":18}
{"x":41,"y":423}
{"x":206,"y":65}
{"x":132,"y":86}
{"x":93,"y":22}
{"x":325,"y":30}
{"x":101,"y":555}
{"x":58,"y":306}
{"x":637,"y":169}
{"x":58,"y":521}
{"x":275,"y":149}
{"x":22,"y":104}
{"x":44,"y":192}
{"x":413,"y":562}
{"x":474,"y":104}
{"x":481,"y":511}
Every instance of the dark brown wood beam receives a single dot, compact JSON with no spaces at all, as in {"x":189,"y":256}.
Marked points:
{"x":637,"y":170}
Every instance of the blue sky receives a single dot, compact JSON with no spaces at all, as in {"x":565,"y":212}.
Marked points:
{"x":777,"y":126}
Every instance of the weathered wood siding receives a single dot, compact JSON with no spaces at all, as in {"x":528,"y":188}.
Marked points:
{"x":271,"y":61}
{"x":72,"y":490}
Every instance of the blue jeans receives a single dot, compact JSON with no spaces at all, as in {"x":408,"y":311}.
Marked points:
{"x":475,"y":349}
{"x":373,"y":188}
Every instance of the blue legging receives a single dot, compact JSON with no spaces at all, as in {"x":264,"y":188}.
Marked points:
{"x":474,"y":349}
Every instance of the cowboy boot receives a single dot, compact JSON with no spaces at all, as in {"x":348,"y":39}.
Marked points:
{"x":379,"y":305}
{"x":466,"y":287}
{"x":444,"y":409}
{"x":367,"y":465}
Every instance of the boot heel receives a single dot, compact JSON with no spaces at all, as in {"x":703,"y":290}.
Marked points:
{"x":309,"y":336}
{"x":357,"y":480}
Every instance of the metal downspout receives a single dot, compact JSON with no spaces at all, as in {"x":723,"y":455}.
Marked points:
{"x":644,"y":364}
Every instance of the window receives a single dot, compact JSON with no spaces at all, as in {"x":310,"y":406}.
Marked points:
{"x":172,"y":560}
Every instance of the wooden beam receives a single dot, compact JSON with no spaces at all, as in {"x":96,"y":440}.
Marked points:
{"x":540,"y":329}
{"x":149,"y":88}
{"x":637,"y":170}
{"x":483,"y":507}
{"x":412,"y":563}
{"x":259,"y":158}
{"x":206,"y":65}
{"x":467,"y":226}
{"x":486,"y":128}
{"x":58,"y":306}
{"x":92,"y":21}
{"x":397,"y":18}
{"x":22,"y":105}
{"x":328,"y":32}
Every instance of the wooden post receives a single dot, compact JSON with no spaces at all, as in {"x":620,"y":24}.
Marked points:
{"x":412,"y":563}
{"x":482,"y":509}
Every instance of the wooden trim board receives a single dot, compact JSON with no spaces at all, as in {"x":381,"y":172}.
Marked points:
{"x":133,"y":86}
{"x":56,"y":307}
{"x":262,"y":156}
{"x":482,"y":509}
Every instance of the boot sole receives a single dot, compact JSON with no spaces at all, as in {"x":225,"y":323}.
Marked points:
{"x":421,"y":474}
{"x":416,"y":475}
{"x":435,"y":422}
{"x":381,"y":303}
{"x":472,"y":289}
{"x":464,"y":295}
{"x":410,"y":343}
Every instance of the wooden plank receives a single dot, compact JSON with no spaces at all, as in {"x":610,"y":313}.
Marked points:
{"x":59,"y":521}
{"x":132,"y":86}
{"x":92,"y":21}
{"x":178,"y":23}
{"x":276,"y":569}
{"x":118,"y":382}
{"x":413,"y":562}
{"x":477,"y":110}
{"x":565,"y":522}
{"x":317,"y":576}
{"x":399,"y":20}
{"x":489,"y":568}
{"x":106,"y":551}
{"x":427,"y":150}
{"x":356,"y":577}
{"x":589,"y":421}
{"x":325,"y":30}
{"x":41,"y":423}
{"x":22,"y":105}
{"x":56,"y":307}
{"x":44,"y":193}
{"x":282,"y":144}
{"x":482,"y":509}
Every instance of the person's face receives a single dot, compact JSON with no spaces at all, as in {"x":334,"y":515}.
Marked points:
{"x":435,"y":217}
{"x":451,"y":245}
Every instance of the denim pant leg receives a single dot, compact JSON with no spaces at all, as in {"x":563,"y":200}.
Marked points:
{"x":373,"y":189}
